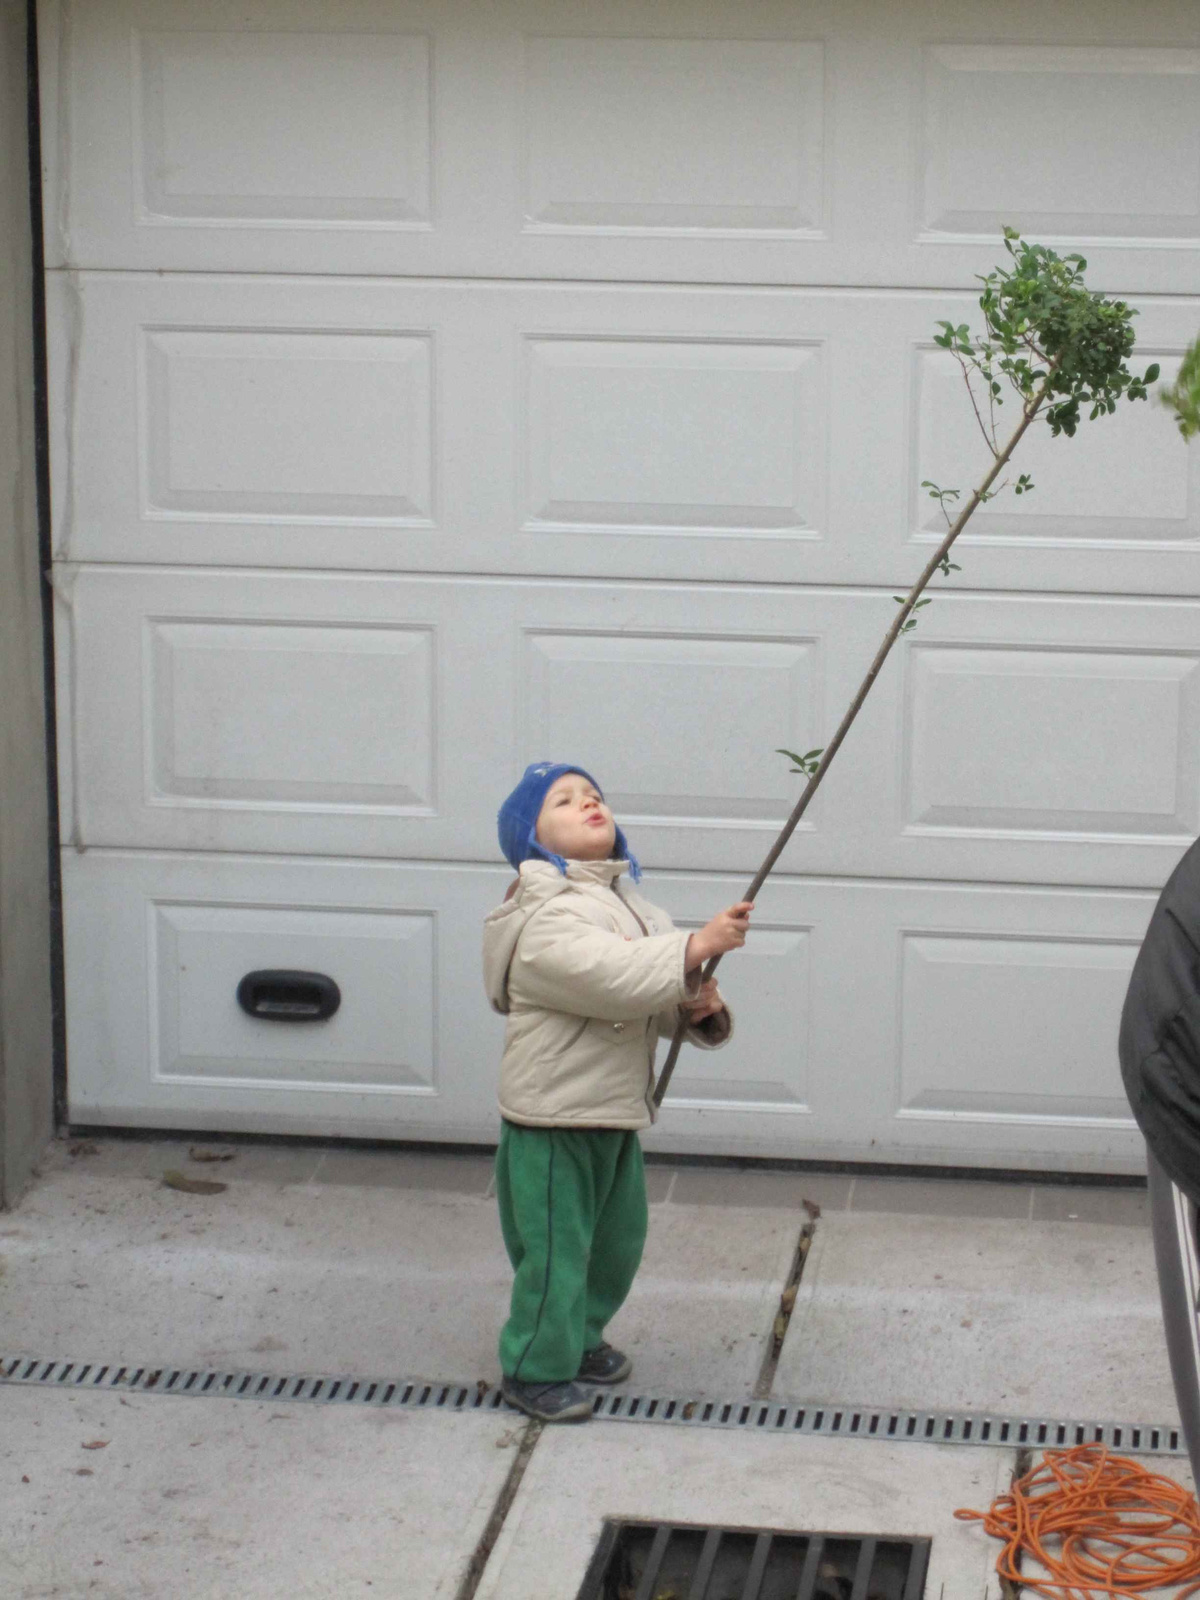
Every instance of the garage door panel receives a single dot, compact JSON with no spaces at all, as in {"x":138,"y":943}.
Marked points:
{"x":620,"y":695}
{"x":245,"y":424}
{"x":320,"y":716}
{"x":773,"y":437}
{"x":1068,"y":994}
{"x":788,"y":147}
{"x":251,"y":711}
{"x":1005,"y":740}
{"x":1134,"y":116}
{"x":907,"y":1017}
{"x":737,"y":431}
{"x":157,"y":946}
{"x":321,"y":424}
{"x":685,"y":150}
{"x":261,"y":126}
{"x":1122,"y":484}
{"x":380,"y":1039}
{"x":935,"y":1022}
{"x":1025,"y":740}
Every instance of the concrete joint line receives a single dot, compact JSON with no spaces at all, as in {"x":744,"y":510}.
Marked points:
{"x":508,"y":1493}
{"x":783,"y":1317}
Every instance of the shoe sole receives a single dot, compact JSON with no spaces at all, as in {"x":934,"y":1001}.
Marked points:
{"x":575,"y":1414}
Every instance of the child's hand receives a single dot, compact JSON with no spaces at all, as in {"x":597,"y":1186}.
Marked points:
{"x":727,"y":931}
{"x":706,"y":1004}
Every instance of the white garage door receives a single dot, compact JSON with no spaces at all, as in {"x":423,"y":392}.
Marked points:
{"x":437,"y":387}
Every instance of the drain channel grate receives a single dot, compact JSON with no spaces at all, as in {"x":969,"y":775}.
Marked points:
{"x":766,"y":1416}
{"x":642,"y":1560}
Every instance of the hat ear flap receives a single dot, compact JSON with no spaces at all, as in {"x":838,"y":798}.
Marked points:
{"x":622,"y":852}
{"x":534,"y":850}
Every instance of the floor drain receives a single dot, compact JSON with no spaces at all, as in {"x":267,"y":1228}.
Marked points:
{"x":834,"y":1419}
{"x":644,"y":1560}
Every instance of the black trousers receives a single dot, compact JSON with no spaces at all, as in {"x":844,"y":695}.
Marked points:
{"x":1176,"y":1253}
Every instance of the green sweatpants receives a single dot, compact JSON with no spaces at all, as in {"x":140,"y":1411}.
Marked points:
{"x":573,"y":1214}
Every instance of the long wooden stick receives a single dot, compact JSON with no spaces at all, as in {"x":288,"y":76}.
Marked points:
{"x":831,"y":749}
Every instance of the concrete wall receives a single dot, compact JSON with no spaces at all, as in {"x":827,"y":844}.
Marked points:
{"x":26,"y":1079}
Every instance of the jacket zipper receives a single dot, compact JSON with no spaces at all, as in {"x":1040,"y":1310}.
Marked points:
{"x":646,"y":934}
{"x":631,"y":911}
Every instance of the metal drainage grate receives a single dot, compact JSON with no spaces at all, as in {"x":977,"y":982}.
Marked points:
{"x":647,"y":1561}
{"x":766,"y":1416}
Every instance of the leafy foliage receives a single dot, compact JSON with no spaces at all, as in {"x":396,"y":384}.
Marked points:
{"x":1183,"y":397}
{"x":1062,"y":350}
{"x":805,"y":765}
{"x":1060,"y":345}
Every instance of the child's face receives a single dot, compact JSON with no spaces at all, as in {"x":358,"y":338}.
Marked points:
{"x":574,"y":822}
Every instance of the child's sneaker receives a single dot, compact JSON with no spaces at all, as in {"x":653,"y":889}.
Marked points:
{"x":604,"y":1365}
{"x":548,"y":1402}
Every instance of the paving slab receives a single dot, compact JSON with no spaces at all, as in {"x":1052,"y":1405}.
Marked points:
{"x":211,"y":1499}
{"x":699,"y":1318}
{"x":282,"y":1276}
{"x":576,"y":1477}
{"x":1056,"y":1319}
{"x":285,"y":1272}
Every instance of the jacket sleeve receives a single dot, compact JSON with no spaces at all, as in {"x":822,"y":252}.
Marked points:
{"x":564,"y":962}
{"x":710,"y":1034}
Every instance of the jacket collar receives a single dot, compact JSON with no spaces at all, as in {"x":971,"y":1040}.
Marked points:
{"x":601,"y":872}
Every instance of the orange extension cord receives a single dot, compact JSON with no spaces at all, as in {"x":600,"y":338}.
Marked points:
{"x":1098,"y":1524}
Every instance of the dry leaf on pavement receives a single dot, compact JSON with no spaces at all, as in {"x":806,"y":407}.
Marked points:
{"x":178,"y":1180}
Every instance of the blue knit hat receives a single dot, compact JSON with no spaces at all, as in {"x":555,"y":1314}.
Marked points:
{"x":517,"y":821}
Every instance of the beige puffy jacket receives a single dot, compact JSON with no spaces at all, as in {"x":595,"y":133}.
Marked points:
{"x":589,"y":976}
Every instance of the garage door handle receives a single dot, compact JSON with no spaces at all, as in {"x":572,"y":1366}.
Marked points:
{"x":288,"y":996}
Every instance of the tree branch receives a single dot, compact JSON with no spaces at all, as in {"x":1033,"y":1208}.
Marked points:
{"x":1031,"y":410}
{"x":991,"y":443}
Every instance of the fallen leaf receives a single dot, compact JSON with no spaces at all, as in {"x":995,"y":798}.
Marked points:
{"x":24,"y":1477}
{"x":812,"y":1208}
{"x":83,"y":1147}
{"x":481,"y":1388}
{"x":689,"y":1411}
{"x":96,"y":1444}
{"x":966,"y":1323}
{"x":200,"y":1152}
{"x":176,"y":1180}
{"x":84,"y":1472}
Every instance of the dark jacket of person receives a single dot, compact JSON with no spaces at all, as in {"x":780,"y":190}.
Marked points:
{"x":1160,"y":1029}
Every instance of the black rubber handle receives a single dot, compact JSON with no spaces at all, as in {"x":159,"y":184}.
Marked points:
{"x":282,"y":996}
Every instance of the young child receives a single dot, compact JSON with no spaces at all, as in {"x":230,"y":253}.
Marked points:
{"x":589,"y":976}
